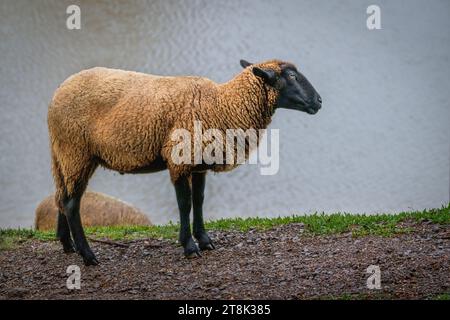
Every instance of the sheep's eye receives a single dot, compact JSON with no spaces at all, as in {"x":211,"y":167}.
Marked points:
{"x":292,"y":76}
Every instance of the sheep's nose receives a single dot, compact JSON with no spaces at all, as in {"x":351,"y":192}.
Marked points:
{"x":319,"y":99}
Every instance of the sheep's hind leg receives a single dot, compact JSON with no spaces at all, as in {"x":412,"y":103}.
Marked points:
{"x":72,"y":210}
{"x":183,"y":192}
{"x":198,"y":189}
{"x":79,"y":170}
{"x":63,"y":233}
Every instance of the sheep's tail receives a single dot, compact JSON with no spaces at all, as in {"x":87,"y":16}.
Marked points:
{"x":59,"y":182}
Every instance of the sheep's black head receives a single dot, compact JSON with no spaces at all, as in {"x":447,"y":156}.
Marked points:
{"x":295,"y":91}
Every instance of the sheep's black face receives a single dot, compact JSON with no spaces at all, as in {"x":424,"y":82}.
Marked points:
{"x":296,"y":92}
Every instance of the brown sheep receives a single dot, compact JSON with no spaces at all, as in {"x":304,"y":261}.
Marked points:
{"x":96,"y":209}
{"x":124,"y":121}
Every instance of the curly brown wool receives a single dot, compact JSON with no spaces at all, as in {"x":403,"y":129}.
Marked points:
{"x":123,"y":120}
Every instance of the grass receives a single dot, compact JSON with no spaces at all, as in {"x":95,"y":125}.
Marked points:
{"x":316,"y":224}
{"x":443,"y":296}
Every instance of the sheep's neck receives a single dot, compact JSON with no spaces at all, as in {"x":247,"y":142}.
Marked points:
{"x":245,"y":102}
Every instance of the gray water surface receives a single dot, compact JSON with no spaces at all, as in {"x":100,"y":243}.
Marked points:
{"x":379,"y":144}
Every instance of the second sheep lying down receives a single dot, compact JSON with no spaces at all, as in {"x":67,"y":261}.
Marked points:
{"x":96,"y":210}
{"x":123,"y":121}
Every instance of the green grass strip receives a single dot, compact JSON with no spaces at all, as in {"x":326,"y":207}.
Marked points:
{"x":315,"y":224}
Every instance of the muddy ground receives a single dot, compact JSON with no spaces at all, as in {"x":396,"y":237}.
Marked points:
{"x":280,"y":263}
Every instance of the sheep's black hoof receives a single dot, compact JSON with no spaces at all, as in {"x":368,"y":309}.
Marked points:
{"x":208,"y":246}
{"x":192,"y":255}
{"x":89,"y":259}
{"x":204,"y":242}
{"x":191,"y":250}
{"x":68,"y":249}
{"x":68,"y":246}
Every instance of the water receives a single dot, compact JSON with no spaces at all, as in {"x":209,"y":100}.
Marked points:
{"x":380,"y":143}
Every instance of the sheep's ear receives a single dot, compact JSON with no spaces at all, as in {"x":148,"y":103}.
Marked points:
{"x":244,"y":63}
{"x":267,"y":75}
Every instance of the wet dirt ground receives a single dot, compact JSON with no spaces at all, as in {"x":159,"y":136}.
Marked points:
{"x":281,"y":263}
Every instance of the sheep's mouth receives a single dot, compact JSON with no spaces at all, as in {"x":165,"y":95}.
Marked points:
{"x":306,"y":107}
{"x":308,"y":110}
{"x":301,"y":106}
{"x":311,"y":110}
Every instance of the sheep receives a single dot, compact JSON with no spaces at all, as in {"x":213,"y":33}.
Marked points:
{"x":124,"y":121}
{"x":96,"y":209}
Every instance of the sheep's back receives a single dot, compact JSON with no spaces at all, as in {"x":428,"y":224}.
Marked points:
{"x":122,"y":117}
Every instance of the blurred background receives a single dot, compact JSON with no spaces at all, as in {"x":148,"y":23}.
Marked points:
{"x":379,"y":144}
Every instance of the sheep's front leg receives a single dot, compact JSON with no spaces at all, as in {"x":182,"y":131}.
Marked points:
{"x":198,"y":189}
{"x":183,"y":192}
